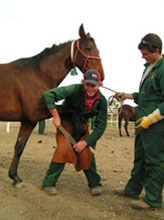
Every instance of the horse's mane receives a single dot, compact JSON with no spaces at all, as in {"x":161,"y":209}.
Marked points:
{"x":36,"y":59}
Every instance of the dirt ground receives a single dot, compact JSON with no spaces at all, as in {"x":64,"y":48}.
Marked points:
{"x":114,"y":157}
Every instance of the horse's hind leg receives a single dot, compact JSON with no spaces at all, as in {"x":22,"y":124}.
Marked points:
{"x":23,"y":135}
{"x":119,"y":124}
{"x":126,"y":127}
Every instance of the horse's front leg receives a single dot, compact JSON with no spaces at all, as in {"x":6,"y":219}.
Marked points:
{"x":23,"y":135}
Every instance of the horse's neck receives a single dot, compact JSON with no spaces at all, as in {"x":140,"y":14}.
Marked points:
{"x":57,"y":66}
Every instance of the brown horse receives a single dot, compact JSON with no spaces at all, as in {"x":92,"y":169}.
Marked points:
{"x":128,"y":113}
{"x":22,"y":83}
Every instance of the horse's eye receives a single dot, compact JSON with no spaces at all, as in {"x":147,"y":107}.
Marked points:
{"x":88,"y":49}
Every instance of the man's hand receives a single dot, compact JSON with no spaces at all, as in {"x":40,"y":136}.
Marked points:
{"x":56,"y":118}
{"x":56,"y":121}
{"x":146,"y":121}
{"x":80,"y":146}
{"x":139,"y":126}
{"x":119,"y":96}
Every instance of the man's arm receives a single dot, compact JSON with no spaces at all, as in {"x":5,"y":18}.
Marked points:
{"x":56,"y":117}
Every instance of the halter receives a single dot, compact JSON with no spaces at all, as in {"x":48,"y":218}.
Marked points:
{"x":78,"y":50}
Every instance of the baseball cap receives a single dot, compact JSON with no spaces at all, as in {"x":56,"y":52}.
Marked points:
{"x":152,"y":40}
{"x":92,"y":76}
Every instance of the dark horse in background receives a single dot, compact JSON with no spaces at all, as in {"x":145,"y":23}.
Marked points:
{"x":23,"y":82}
{"x":128,"y":113}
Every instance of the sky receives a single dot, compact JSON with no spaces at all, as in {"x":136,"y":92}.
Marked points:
{"x":29,"y":26}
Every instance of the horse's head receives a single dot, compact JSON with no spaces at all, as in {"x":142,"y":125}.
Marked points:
{"x":85,"y":54}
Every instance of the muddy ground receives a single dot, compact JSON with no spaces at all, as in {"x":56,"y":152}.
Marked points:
{"x":74,"y":202}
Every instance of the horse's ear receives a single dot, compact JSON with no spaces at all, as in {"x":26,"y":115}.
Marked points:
{"x":82,"y":33}
{"x":88,"y":35}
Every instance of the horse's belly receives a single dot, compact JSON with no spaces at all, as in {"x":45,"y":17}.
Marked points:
{"x":11,"y":116}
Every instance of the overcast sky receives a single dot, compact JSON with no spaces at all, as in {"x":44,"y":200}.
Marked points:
{"x":29,"y":26}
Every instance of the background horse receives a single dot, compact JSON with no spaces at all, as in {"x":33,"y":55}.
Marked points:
{"x":128,"y":113}
{"x":25,"y":80}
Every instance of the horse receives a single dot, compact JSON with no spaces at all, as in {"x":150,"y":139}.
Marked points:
{"x":23,"y":81}
{"x":128,"y":113}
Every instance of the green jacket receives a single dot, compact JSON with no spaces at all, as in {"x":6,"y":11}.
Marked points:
{"x":151,"y":93}
{"x":73,"y":97}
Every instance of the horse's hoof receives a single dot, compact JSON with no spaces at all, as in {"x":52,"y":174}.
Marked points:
{"x":20,"y":185}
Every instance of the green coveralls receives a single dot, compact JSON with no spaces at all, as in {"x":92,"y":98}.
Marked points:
{"x":73,"y":96}
{"x":148,"y":170}
{"x":41,"y":126}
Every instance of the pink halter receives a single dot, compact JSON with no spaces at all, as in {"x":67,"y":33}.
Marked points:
{"x":87,"y":57}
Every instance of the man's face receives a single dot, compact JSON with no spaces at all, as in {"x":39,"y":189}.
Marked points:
{"x":149,"y":56}
{"x":90,"y":89}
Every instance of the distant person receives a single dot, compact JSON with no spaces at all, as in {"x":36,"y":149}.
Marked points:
{"x":87,"y":101}
{"x":148,"y":169}
{"x":41,"y":127}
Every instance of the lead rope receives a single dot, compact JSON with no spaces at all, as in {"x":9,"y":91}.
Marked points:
{"x":111,"y":100}
{"x":73,"y":70}
{"x":72,"y":50}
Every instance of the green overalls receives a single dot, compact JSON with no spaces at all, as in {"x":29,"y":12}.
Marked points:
{"x":73,"y":97}
{"x":148,"y":170}
{"x":41,"y":126}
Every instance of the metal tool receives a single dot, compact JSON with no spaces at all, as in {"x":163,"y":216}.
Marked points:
{"x":67,"y":135}
{"x":70,"y":138}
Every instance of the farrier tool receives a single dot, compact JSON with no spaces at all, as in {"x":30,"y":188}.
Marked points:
{"x":70,"y":138}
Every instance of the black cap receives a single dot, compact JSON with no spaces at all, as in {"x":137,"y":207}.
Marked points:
{"x":92,"y":76}
{"x":152,"y":40}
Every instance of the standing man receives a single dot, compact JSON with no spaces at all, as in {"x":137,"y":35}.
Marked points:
{"x":87,"y":101}
{"x":148,"y":169}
